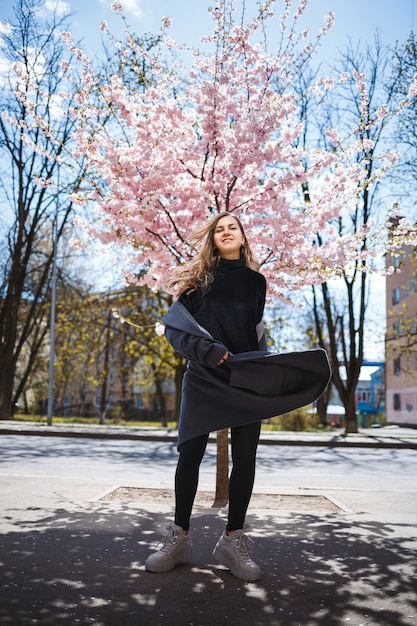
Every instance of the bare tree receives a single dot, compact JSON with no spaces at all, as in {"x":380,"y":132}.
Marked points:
{"x":34,"y":217}
{"x":405,"y":67}
{"x":340,"y":307}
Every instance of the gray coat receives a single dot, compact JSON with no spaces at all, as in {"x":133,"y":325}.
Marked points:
{"x":250,"y":386}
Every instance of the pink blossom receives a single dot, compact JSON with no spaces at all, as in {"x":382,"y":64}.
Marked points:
{"x":43,"y":182}
{"x":117,"y":7}
{"x":159,"y":329}
{"x":217,"y":135}
{"x":329,"y":20}
{"x":412,"y":92}
{"x":66,"y":38}
{"x":333,"y":136}
{"x":301,"y":8}
{"x":381,"y":113}
{"x":170,"y":43}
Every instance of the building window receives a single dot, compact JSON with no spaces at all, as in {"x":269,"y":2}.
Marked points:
{"x":397,"y":366}
{"x":364,"y":396}
{"x":396,"y":295}
{"x":397,"y":402}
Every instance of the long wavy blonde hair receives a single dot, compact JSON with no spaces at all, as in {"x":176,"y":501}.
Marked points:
{"x":199,"y":272}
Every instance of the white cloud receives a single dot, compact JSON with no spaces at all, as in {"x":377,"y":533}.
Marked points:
{"x":59,"y":6}
{"x":4,"y":71}
{"x":133,"y":6}
{"x":5,"y":29}
{"x":129,"y":6}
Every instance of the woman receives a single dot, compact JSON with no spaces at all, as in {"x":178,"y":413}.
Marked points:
{"x":231,"y":381}
{"x":225,"y":294}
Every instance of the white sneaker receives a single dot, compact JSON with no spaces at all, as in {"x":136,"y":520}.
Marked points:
{"x":233,"y":551}
{"x":176,"y":548}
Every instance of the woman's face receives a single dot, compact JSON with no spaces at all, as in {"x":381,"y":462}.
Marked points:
{"x":228,"y":238}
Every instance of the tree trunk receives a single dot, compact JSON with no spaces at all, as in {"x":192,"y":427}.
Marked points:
{"x":322,"y":404}
{"x":36,"y":345}
{"x":222,"y":469}
{"x":6,"y":389}
{"x":8,"y":338}
{"x":161,"y":402}
{"x":105,"y":373}
{"x":350,"y":414}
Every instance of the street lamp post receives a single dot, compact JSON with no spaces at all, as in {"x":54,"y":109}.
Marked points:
{"x":52,"y":323}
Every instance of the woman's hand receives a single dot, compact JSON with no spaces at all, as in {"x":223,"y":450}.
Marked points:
{"x":224,"y":358}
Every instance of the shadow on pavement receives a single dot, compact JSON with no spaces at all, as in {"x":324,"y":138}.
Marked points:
{"x":86,"y":567}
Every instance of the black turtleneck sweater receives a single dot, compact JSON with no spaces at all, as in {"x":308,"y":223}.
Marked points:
{"x":231,"y":306}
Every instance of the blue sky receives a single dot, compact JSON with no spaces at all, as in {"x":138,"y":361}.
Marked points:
{"x":357,"y":19}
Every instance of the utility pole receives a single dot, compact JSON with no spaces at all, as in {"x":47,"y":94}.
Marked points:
{"x":53,"y":315}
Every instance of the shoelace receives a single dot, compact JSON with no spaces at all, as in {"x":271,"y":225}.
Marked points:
{"x":169,"y":539}
{"x":244,"y":544}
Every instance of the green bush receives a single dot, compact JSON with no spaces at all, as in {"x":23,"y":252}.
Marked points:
{"x":115,"y":420}
{"x":298,"y":420}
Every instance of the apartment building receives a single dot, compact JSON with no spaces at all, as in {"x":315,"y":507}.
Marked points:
{"x":401,"y":339}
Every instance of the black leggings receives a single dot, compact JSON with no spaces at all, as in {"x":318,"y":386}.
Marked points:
{"x":244,"y":440}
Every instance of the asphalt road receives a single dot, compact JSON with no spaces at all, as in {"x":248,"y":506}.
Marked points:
{"x":156,"y":461}
{"x":346,"y":473}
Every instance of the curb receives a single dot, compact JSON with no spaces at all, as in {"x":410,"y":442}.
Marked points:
{"x":340,"y":441}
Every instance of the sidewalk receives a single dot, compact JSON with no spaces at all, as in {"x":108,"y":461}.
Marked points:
{"x":71,"y":557}
{"x":385,"y":437}
{"x":80,"y":563}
